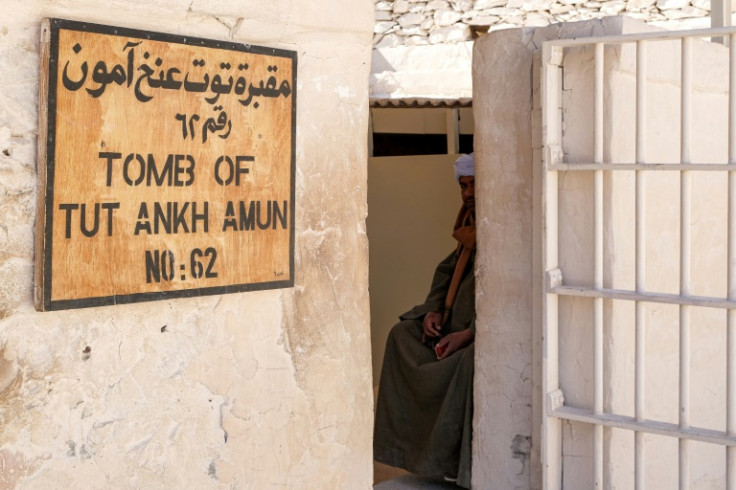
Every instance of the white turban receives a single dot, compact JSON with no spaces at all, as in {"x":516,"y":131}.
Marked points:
{"x":465,"y":166}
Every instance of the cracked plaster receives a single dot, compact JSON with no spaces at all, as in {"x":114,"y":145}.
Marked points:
{"x":254,"y":390}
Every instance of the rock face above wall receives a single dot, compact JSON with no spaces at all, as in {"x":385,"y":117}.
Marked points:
{"x":422,"y":22}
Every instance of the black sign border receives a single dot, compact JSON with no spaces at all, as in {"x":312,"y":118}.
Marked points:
{"x":56,"y":25}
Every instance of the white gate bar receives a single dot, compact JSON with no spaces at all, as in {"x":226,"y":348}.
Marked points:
{"x":640,"y":379}
{"x":671,"y":167}
{"x":731,"y":338}
{"x":598,"y":272}
{"x":647,"y":297}
{"x":648,"y":426}
{"x":720,"y":16}
{"x":685,"y":197}
{"x":551,"y":85}
{"x":720,"y":13}
{"x":731,"y":335}
{"x":644,"y":36}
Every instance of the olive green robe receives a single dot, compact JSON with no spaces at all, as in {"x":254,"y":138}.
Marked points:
{"x":424,"y":411}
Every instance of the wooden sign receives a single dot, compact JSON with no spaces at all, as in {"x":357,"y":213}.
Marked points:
{"x":166,"y":166}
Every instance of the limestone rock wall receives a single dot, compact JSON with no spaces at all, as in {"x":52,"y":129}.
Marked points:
{"x":421,"y":22}
{"x":268,"y":389}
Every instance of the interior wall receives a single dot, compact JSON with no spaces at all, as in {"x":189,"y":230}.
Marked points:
{"x":424,"y":120}
{"x":413,"y":203}
{"x":267,"y":389}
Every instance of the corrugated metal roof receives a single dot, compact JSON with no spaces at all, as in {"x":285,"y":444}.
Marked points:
{"x":418,"y":102}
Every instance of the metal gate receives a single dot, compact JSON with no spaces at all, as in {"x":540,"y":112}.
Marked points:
{"x":593,"y":290}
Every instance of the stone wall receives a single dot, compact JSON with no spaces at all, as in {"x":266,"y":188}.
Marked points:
{"x":421,"y":22}
{"x":268,"y":389}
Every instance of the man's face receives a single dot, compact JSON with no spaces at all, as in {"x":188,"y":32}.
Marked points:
{"x":467,"y":190}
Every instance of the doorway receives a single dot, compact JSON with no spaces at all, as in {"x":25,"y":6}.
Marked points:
{"x":412,"y":201}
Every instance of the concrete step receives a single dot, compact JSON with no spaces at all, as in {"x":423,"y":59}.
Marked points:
{"x":414,"y":482}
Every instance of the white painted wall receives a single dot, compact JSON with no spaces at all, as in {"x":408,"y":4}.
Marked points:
{"x":267,"y":389}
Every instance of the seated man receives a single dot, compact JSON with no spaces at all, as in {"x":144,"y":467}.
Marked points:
{"x":424,"y":411}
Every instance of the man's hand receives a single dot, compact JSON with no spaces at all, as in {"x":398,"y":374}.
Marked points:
{"x":453,"y":342}
{"x":432,"y":325}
